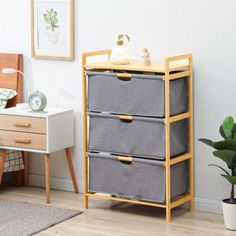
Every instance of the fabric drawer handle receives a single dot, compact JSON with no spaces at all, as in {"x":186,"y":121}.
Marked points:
{"x":26,"y":141}
{"x":126,"y":118}
{"x":124,"y":76}
{"x":123,"y":158}
{"x":22,"y":125}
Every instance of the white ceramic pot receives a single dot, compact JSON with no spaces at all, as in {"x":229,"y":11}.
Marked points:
{"x":229,"y":211}
{"x":120,"y":55}
{"x":53,"y":37}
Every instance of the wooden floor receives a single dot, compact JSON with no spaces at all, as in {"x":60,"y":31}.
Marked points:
{"x":107,"y":218}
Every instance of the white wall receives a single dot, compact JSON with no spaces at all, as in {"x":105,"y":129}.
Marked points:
{"x":166,"y":27}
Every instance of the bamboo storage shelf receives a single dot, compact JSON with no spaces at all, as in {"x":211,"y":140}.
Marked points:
{"x":173,"y":68}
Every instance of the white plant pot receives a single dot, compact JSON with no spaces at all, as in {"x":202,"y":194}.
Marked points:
{"x":120,"y":55}
{"x":53,"y":37}
{"x":229,"y":211}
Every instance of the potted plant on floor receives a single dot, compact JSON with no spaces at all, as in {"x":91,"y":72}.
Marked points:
{"x":226,"y":151}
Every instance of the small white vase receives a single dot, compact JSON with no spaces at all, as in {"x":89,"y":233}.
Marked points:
{"x":53,"y":37}
{"x":229,"y":211}
{"x":120,"y":54}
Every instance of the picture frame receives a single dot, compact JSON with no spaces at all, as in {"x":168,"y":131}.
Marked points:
{"x":52,"y":29}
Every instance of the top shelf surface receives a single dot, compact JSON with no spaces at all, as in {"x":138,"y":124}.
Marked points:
{"x":49,"y":111}
{"x":139,"y":66}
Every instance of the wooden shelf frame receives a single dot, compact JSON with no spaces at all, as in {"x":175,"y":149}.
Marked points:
{"x":168,"y":120}
{"x":85,"y":56}
{"x":173,"y":68}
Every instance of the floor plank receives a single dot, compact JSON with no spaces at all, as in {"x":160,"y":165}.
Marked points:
{"x":106,"y":218}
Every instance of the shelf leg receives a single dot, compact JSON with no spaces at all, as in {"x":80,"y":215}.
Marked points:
{"x":191,"y":161}
{"x":167,"y":141}
{"x":85,"y":201}
{"x":191,"y":205}
{"x":168,"y":215}
{"x":191,"y":184}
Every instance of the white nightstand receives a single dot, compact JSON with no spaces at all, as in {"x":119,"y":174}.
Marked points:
{"x":38,"y":132}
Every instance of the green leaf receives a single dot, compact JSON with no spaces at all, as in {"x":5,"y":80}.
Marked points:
{"x":46,"y":17}
{"x":206,"y":141}
{"x":228,"y":125}
{"x":231,"y":179}
{"x":55,"y":21}
{"x":54,"y":14}
{"x":226,"y":172}
{"x":222,"y":132}
{"x":127,"y":36}
{"x":51,"y":11}
{"x":120,"y":36}
{"x":234,"y":132}
{"x":234,"y":171}
{"x":227,"y":144}
{"x":227,"y":156}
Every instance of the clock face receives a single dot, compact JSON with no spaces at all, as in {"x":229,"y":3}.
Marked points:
{"x":35,"y":103}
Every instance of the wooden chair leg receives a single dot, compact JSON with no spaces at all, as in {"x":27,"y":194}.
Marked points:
{"x":2,"y":161}
{"x":25,"y":156}
{"x":72,"y":171}
{"x":18,"y":178}
{"x":47,"y":176}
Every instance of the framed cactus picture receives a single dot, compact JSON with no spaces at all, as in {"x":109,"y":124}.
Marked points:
{"x":52,"y":29}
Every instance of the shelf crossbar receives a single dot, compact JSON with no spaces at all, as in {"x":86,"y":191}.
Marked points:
{"x":180,"y":158}
{"x":180,"y":117}
{"x":181,"y":201}
{"x":108,"y":196}
{"x":179,"y":75}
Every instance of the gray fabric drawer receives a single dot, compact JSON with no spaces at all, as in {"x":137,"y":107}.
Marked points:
{"x":141,"y":179}
{"x":143,"y":137}
{"x":141,"y":95}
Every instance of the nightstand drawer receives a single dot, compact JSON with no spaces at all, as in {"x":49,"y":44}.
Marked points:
{"x":23,"y":123}
{"x":22,"y":140}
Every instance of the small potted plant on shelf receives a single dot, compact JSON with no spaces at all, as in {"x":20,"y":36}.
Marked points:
{"x":226,"y":151}
{"x":120,"y":53}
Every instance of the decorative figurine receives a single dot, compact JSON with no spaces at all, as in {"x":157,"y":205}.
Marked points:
{"x":146,"y":56}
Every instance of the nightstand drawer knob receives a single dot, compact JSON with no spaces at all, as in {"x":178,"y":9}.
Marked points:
{"x":22,"y":125}
{"x":26,"y":141}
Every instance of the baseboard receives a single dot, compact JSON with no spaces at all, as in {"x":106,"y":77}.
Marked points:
{"x":56,"y":183}
{"x":208,"y":205}
{"x":201,"y":204}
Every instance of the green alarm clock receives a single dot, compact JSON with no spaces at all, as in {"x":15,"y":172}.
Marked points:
{"x":37,"y":101}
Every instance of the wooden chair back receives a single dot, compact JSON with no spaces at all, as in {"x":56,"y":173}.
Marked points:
{"x":12,"y":81}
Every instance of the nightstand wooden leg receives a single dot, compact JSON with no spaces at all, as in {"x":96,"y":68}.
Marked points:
{"x":47,"y":176}
{"x":25,"y":156}
{"x":72,"y":171}
{"x":2,"y":161}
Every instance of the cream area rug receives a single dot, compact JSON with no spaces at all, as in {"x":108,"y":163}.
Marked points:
{"x":23,"y":219}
